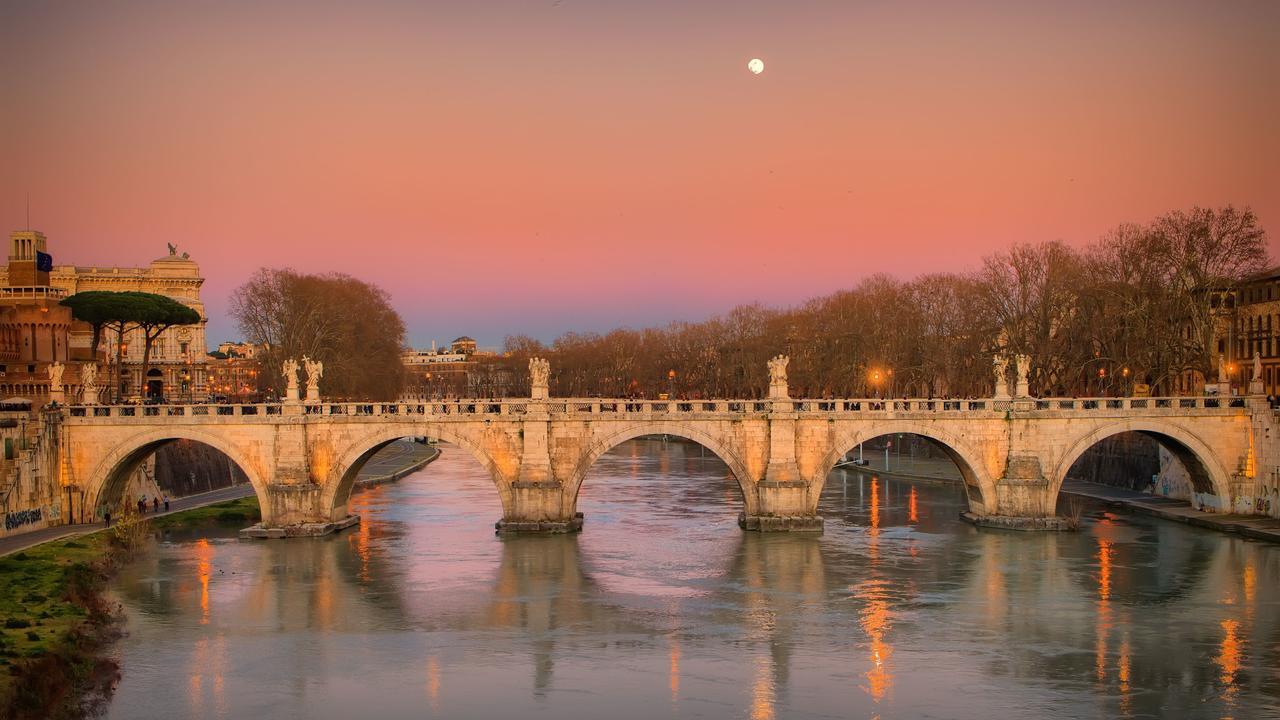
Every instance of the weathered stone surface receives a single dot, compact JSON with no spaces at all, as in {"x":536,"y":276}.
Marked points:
{"x":1007,"y":522}
{"x":312,"y":529}
{"x":789,"y":523}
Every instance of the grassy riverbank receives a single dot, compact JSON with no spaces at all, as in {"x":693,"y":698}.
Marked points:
{"x":56,"y":621}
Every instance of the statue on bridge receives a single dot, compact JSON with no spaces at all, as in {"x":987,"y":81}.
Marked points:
{"x":1256,"y":386}
{"x":1024,"y":370}
{"x":56,"y":394}
{"x":290,"y":370}
{"x":55,"y":376}
{"x":89,"y":383}
{"x":539,"y":375}
{"x":778,"y":377}
{"x":1000,"y":365}
{"x":315,"y":371}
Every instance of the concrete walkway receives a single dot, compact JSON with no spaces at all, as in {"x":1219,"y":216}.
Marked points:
{"x":22,"y":541}
{"x":1251,"y":526}
{"x":938,"y":469}
{"x":395,"y":461}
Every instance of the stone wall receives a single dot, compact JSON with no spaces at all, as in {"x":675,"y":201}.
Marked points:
{"x":1128,"y":460}
{"x":185,"y":467}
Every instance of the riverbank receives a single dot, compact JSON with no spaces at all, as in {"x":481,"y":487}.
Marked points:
{"x":18,"y":543}
{"x":396,"y":461}
{"x":937,"y":470}
{"x":1250,"y":526}
{"x":57,"y":621}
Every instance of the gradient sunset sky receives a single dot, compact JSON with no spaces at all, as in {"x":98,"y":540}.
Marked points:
{"x":536,"y":167}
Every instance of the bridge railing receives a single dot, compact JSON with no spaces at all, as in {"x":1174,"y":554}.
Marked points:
{"x":620,"y":407}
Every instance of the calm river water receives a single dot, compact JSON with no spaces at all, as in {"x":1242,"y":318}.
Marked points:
{"x":662,"y":607}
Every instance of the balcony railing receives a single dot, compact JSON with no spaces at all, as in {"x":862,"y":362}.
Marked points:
{"x":559,"y":407}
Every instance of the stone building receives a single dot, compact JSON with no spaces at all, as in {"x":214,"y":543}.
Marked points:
{"x":1253,"y":329}
{"x":1248,"y":322}
{"x":179,"y":369}
{"x":234,"y":379}
{"x":35,"y":330}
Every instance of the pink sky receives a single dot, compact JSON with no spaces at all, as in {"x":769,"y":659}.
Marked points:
{"x":536,"y":167}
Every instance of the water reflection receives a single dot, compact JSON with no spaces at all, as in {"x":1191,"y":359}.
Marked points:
{"x":663,"y":607}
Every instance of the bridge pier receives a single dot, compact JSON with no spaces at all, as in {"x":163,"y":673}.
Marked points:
{"x":537,"y":506}
{"x":295,"y":510}
{"x":1025,"y":500}
{"x":782,"y":506}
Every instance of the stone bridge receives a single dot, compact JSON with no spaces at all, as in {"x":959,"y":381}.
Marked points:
{"x":302,"y":457}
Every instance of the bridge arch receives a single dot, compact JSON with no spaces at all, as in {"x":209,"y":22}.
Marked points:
{"x":112,"y":472}
{"x":341,"y":479}
{"x":979,"y":487}
{"x":1208,"y":475}
{"x":602,"y":444}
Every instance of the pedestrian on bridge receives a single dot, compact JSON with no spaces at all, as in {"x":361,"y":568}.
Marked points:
{"x":106,"y":514}
{"x":155,"y":504}
{"x":166,"y":503}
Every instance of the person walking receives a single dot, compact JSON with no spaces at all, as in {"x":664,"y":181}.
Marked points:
{"x":166,"y":503}
{"x":155,"y":504}
{"x":106,"y":514}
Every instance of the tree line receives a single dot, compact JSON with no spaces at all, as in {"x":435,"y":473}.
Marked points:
{"x":1136,"y":306}
{"x":1140,"y":305}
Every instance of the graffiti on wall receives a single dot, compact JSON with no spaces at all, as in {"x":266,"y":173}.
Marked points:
{"x":22,"y":517}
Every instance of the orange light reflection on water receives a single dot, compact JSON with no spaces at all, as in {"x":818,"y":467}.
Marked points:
{"x":763,"y":693}
{"x":674,"y":671}
{"x":204,"y":568}
{"x":433,"y":683}
{"x":875,"y":618}
{"x":1105,"y":552}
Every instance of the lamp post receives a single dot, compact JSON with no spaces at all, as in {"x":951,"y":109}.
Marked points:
{"x":671,"y":384}
{"x":1102,"y":376}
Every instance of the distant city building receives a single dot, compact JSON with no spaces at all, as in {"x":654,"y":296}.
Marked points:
{"x":435,"y":374}
{"x":234,"y":378}
{"x":239,"y":349}
{"x":34,"y":328}
{"x":1247,"y":322}
{"x":463,"y":370}
{"x":31,"y":284}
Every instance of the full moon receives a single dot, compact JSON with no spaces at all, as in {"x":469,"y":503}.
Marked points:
{"x":756,"y":65}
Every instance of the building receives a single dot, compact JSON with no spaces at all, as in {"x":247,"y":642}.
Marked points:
{"x":1247,"y":323}
{"x":1253,"y":329}
{"x":179,"y":369}
{"x":234,"y":379}
{"x":238,"y":349}
{"x":435,"y":374}
{"x":35,"y":329}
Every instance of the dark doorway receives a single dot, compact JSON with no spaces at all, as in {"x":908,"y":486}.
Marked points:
{"x":155,"y":385}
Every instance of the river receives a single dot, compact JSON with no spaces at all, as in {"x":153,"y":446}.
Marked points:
{"x":662,"y":607}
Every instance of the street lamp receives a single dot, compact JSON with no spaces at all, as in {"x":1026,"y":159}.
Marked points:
{"x":1102,"y":375}
{"x":671,"y":384}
